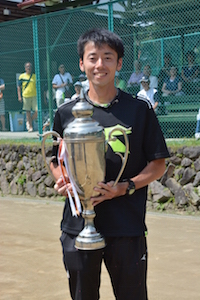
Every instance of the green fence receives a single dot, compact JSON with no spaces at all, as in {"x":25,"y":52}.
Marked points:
{"x":156,"y":33}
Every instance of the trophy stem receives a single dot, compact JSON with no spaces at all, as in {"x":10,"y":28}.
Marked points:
{"x":89,"y":238}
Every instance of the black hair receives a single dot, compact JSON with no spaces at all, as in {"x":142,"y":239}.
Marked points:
{"x":100,"y":36}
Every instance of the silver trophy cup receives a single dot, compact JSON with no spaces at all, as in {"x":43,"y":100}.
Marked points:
{"x":86,"y":146}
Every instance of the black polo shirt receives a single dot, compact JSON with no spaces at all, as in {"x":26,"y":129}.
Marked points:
{"x":125,"y":215}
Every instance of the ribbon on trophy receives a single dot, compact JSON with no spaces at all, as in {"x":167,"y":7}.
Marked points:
{"x":63,"y":156}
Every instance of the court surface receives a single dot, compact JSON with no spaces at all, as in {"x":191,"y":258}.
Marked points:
{"x":31,"y":259}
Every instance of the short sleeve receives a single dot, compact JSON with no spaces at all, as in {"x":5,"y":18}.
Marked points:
{"x":154,"y":142}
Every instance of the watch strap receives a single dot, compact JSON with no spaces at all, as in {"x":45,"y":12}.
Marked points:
{"x":131,"y":186}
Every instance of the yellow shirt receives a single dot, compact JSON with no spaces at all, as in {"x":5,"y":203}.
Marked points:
{"x":30,"y":90}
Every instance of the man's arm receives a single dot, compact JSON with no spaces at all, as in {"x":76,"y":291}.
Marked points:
{"x":154,"y":170}
{"x":19,"y":93}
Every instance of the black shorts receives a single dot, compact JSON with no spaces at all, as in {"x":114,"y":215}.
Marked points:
{"x":125,"y":259}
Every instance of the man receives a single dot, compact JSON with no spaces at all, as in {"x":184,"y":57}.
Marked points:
{"x":120,"y":209}
{"x":62,"y":83}
{"x":27,"y":92}
{"x":147,"y":92}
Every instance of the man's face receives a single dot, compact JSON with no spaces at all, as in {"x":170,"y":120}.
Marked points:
{"x":147,"y":71}
{"x":145,"y":85}
{"x":173,"y":71}
{"x":62,"y":69}
{"x":100,"y":64}
{"x":77,"y":89}
{"x":28,"y":68}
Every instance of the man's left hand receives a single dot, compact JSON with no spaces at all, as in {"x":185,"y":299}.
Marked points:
{"x":108,"y":191}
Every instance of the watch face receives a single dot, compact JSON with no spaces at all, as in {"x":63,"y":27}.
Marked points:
{"x":131,"y":191}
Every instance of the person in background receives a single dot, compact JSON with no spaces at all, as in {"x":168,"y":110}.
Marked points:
{"x":84,"y":82}
{"x":173,"y":84}
{"x":153,"y":79}
{"x":82,"y":77}
{"x":62,"y":83}
{"x":2,"y":106}
{"x":148,"y":93}
{"x":197,"y":130}
{"x":164,"y":73}
{"x":77,"y":87}
{"x":120,"y":209}
{"x":26,"y":90}
{"x":119,"y":82}
{"x":46,"y":96}
{"x":190,"y":74}
{"x":136,"y":75}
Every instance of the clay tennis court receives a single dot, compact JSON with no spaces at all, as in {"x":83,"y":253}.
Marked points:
{"x":31,"y":260}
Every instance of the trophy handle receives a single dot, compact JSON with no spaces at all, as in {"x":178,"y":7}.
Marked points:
{"x":44,"y":136}
{"x":125,"y":157}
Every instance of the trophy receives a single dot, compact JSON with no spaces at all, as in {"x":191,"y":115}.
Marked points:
{"x":86,"y":145}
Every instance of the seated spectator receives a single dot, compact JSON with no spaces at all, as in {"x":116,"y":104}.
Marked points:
{"x":173,"y":84}
{"x":164,"y":72}
{"x":137,"y":75}
{"x":77,"y":87}
{"x":148,"y":93}
{"x":119,"y":82}
{"x":190,"y":73}
{"x":153,"y":79}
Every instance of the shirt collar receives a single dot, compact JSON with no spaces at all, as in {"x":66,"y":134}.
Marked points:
{"x":105,"y":105}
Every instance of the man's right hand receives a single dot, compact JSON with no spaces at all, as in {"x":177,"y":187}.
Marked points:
{"x":61,"y":187}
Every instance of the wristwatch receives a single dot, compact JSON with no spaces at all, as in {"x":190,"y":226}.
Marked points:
{"x":131,"y":187}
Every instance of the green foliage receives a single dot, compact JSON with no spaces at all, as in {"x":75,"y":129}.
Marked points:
{"x":22,"y":179}
{"x":163,"y":206}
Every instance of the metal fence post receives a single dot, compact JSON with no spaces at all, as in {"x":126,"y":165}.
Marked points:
{"x":48,"y":53}
{"x":110,"y":17}
{"x":37,"y":71}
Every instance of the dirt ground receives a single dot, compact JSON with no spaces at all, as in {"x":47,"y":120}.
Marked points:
{"x":31,"y":260}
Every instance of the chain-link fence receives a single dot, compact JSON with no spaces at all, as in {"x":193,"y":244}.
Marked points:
{"x":161,"y":39}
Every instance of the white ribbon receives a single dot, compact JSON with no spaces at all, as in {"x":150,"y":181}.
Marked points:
{"x":63,"y":156}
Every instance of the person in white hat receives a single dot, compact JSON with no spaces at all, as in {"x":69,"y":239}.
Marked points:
{"x":77,"y":87}
{"x":85,"y":82}
{"x":148,"y":93}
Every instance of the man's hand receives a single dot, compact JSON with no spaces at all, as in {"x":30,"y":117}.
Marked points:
{"x":61,"y":187}
{"x":107,"y":191}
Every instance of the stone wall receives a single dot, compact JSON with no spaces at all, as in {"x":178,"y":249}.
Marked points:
{"x":22,"y":172}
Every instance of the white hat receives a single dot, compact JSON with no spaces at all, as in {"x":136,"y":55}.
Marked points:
{"x":77,"y":83}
